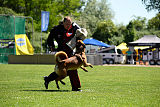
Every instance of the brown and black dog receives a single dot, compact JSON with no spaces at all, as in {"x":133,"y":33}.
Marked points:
{"x":63,"y":63}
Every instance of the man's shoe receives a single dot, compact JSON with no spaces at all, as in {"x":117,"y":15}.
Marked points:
{"x":45,"y":82}
{"x":77,"y":90}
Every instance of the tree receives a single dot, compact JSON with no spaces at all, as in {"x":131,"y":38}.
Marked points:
{"x":119,"y":37}
{"x":5,"y":10}
{"x":154,"y":23}
{"x":152,"y":4}
{"x":139,"y":23}
{"x":33,"y":8}
{"x":129,"y":33}
{"x":105,"y":31}
{"x":94,"y":12}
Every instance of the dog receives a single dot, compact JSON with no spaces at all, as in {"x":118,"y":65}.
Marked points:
{"x":63,"y":63}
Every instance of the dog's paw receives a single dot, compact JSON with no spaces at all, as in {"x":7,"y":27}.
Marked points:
{"x":58,"y":87}
{"x":91,"y":66}
{"x":85,"y":70}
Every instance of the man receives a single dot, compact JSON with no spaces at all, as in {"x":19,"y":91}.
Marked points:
{"x":129,"y":53}
{"x":63,"y":34}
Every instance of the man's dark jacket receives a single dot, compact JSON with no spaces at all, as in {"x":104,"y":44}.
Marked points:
{"x":59,"y":33}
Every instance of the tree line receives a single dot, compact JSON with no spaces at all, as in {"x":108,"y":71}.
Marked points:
{"x":94,"y":15}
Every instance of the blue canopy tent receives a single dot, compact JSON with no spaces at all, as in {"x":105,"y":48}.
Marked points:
{"x":95,"y":42}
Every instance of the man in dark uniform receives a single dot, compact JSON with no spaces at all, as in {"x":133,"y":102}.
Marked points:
{"x":63,"y":33}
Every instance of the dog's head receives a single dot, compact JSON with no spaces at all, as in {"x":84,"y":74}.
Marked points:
{"x":80,"y":46}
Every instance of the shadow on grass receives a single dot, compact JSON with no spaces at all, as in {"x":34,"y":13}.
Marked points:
{"x":48,"y":90}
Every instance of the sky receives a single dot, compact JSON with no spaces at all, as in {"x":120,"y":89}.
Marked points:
{"x":125,"y":10}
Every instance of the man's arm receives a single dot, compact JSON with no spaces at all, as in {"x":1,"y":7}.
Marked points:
{"x":50,"y":40}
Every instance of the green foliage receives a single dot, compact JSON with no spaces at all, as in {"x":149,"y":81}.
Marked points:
{"x":37,"y":42}
{"x":121,"y":33}
{"x":8,"y":11}
{"x":154,"y":23}
{"x":130,"y":33}
{"x":140,"y":34}
{"x":141,"y":28}
{"x":105,"y":31}
{"x":69,"y":6}
{"x":94,"y":12}
{"x":157,"y":32}
{"x":146,"y":28}
{"x":57,"y":9}
{"x":139,"y":23}
{"x":103,"y":86}
{"x":152,"y":4}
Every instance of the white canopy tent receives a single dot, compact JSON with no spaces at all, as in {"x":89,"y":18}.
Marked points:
{"x":147,"y":40}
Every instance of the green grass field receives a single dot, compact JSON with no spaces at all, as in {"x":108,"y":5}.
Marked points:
{"x":103,"y":86}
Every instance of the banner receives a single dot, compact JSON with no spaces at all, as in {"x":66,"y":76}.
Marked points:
{"x":44,"y":20}
{"x":23,"y":46}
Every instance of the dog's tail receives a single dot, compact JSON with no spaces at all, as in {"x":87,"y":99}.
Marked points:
{"x":60,"y":56}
